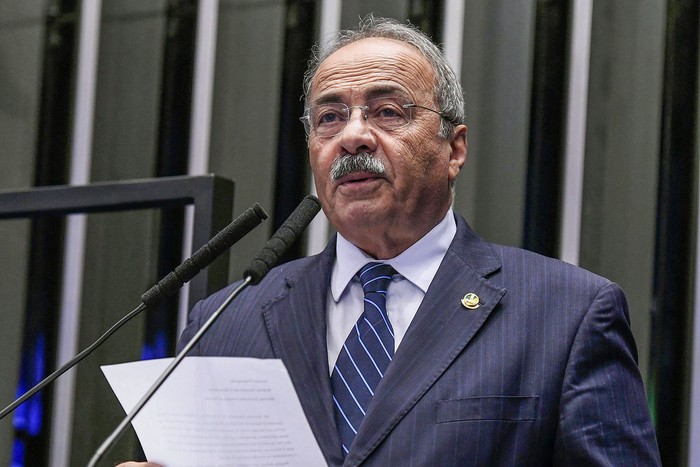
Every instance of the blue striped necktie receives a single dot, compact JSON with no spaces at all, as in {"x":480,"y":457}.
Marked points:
{"x":365,"y":356}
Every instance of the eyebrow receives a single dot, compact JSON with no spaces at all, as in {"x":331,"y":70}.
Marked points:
{"x":381,"y":91}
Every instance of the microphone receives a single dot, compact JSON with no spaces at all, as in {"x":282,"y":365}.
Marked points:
{"x":285,"y":236}
{"x":189,"y":268}
{"x":240,"y":227}
{"x":268,"y":257}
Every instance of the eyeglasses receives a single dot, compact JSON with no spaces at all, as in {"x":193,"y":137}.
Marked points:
{"x":386,"y":113}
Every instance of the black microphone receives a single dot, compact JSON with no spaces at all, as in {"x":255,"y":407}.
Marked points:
{"x":285,"y":236}
{"x":268,"y":257}
{"x":189,"y":268}
{"x":229,"y":235}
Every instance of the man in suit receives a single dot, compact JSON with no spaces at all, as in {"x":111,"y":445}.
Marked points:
{"x":495,"y":355}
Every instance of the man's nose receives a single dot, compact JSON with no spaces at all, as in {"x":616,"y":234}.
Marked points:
{"x":357,"y":136}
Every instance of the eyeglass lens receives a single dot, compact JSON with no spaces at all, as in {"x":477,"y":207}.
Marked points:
{"x":385,"y":113}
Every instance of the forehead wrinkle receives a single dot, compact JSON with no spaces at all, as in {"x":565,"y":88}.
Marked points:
{"x":352,"y":70}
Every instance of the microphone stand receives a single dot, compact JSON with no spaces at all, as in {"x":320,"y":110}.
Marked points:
{"x":167,"y":286}
{"x":270,"y":255}
{"x":119,"y":431}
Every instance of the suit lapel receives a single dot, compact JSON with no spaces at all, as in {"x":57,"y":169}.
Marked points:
{"x":296,"y":323}
{"x":440,"y":330}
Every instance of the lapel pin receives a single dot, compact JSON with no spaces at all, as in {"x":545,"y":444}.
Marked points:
{"x":471,"y":301}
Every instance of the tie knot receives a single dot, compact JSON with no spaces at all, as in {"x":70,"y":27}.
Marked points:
{"x":375,"y":277}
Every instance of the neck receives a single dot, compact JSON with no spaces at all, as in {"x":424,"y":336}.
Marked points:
{"x":387,"y":243}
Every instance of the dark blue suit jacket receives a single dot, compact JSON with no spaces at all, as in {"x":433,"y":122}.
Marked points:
{"x":542,"y":373}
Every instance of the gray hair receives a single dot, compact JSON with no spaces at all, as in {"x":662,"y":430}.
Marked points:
{"x":448,"y":91}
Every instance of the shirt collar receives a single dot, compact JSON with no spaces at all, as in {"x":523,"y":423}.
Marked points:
{"x":418,"y":263}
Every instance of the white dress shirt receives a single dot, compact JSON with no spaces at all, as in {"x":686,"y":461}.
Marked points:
{"x":417,"y":267}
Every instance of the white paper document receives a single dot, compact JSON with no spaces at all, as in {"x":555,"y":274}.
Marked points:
{"x":217,"y":411}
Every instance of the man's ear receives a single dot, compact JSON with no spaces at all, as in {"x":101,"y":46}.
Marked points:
{"x":458,"y":150}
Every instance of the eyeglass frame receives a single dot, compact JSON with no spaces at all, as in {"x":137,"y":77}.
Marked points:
{"x":306,"y":118}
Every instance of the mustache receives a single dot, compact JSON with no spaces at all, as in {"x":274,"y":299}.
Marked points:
{"x":361,"y":162}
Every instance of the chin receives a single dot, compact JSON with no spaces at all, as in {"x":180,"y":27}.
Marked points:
{"x":367,"y":219}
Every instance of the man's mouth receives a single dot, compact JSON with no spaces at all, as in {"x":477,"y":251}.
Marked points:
{"x":357,"y":177}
